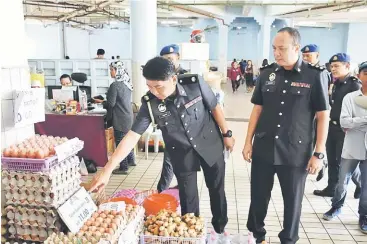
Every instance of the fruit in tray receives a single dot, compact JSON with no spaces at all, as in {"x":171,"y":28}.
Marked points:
{"x":36,"y":147}
{"x":170,"y":224}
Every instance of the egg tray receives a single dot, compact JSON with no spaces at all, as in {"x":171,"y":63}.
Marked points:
{"x":132,"y":232}
{"x":41,"y":199}
{"x":37,"y":165}
{"x":60,"y":174}
{"x":30,"y":233}
{"x":29,"y":216}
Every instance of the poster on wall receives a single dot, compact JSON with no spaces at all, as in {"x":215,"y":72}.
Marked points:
{"x":29,"y":106}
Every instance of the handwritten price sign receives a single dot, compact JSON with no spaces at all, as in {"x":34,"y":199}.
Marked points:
{"x":68,"y":148}
{"x":29,"y":106}
{"x":117,"y":206}
{"x":77,"y":210}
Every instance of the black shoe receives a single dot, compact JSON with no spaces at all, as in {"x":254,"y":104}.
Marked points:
{"x":324,"y":193}
{"x":357,"y":193}
{"x":119,"y":172}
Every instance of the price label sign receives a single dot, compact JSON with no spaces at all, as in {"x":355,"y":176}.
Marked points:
{"x":29,"y":106}
{"x":77,"y":210}
{"x":117,"y":206}
{"x":68,"y":148}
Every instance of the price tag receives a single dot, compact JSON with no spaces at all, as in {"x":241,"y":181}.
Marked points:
{"x":29,"y":106}
{"x":68,"y":148}
{"x":117,"y":206}
{"x":77,"y":210}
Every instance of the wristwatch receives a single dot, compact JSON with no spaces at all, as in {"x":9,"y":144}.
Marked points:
{"x":319,"y":155}
{"x":228,"y":134}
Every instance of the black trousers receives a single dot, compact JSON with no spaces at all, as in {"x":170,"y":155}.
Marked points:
{"x":166,"y":174}
{"x":334,"y":147}
{"x":235,"y":85}
{"x":214,"y":179}
{"x":292,"y":182}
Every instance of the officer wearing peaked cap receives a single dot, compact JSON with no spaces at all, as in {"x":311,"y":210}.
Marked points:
{"x":288,"y":95}
{"x":194,"y":131}
{"x":344,"y":84}
{"x":172,"y":53}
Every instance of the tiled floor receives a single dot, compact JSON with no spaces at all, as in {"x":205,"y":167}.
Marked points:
{"x":313,"y":229}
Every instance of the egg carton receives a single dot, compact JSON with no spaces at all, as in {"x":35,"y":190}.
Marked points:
{"x":59,"y":174}
{"x":40,"y":183}
{"x":28,"y":216}
{"x":31,"y":233}
{"x":41,"y":199}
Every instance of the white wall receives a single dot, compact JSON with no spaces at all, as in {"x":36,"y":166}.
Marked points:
{"x":356,"y":43}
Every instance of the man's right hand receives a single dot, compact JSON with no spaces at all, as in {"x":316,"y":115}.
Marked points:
{"x":100,"y":181}
{"x":247,"y":152}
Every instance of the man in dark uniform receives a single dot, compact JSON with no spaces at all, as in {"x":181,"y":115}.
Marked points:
{"x":172,"y":53}
{"x":345,"y":83}
{"x":311,"y":54}
{"x":194,"y":131}
{"x":289,"y":94}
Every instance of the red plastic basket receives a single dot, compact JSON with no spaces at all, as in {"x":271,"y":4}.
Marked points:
{"x":27,"y":164}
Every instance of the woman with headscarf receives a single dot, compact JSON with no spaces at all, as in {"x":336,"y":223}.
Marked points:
{"x":119,"y":109}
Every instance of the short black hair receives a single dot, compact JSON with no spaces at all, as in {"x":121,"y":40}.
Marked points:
{"x":65,"y":76}
{"x":118,"y":56}
{"x":158,"y":68}
{"x":294,"y":33}
{"x":113,"y":57}
{"x":67,"y":57}
{"x":100,"y":52}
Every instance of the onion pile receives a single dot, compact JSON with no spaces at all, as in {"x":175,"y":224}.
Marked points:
{"x":36,"y":147}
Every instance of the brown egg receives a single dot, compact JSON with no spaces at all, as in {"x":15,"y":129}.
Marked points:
{"x":84,"y":228}
{"x":113,"y":226}
{"x":23,"y":153}
{"x":110,"y":231}
{"x":102,"y":230}
{"x":104,"y":225}
{"x":106,"y":212}
{"x":39,"y":154}
{"x":113,"y":212}
{"x":14,"y":153}
{"x":99,"y":219}
{"x":103,"y":215}
{"x":111,"y":216}
{"x":7,"y":152}
{"x":31,"y":153}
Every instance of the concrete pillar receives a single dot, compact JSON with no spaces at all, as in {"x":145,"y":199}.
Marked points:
{"x":264,"y":39}
{"x":14,"y":73}
{"x":222,"y":47}
{"x":143,"y":41}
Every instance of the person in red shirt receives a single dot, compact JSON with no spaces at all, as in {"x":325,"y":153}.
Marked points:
{"x":235,"y":76}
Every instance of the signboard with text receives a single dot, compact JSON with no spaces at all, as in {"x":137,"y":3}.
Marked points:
{"x":29,"y":106}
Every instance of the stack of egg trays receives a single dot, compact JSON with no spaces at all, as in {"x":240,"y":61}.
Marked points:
{"x":33,"y":197}
{"x":46,"y":189}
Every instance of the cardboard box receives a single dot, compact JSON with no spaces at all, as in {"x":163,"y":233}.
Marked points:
{"x":110,"y":146}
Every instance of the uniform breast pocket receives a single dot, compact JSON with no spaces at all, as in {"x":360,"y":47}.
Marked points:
{"x":300,"y":91}
{"x":194,"y":111}
{"x":268,"y":89}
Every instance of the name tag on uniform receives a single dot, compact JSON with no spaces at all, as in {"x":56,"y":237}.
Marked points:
{"x":194,"y":101}
{"x":300,"y":84}
{"x":270,"y":82}
{"x":165,"y":115}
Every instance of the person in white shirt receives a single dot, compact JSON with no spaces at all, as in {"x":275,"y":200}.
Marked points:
{"x":353,"y":120}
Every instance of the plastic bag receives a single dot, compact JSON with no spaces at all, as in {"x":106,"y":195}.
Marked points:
{"x":157,"y":202}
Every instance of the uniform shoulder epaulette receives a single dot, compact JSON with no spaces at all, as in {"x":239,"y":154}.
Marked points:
{"x":148,"y":96}
{"x":353,"y":79}
{"x":267,"y":66}
{"x":187,"y":79}
{"x":318,"y":67}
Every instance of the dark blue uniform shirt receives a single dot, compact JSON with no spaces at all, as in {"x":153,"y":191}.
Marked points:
{"x":289,"y":100}
{"x":189,"y":130}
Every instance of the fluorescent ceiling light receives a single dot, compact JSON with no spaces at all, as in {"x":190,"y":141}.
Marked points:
{"x":358,"y":10}
{"x":192,"y":27}
{"x":239,"y":27}
{"x":169,"y":22}
{"x":311,"y":23}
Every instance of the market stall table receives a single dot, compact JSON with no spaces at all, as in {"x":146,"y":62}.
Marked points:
{"x":88,"y":128}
